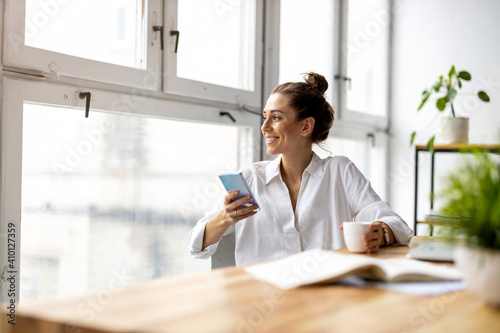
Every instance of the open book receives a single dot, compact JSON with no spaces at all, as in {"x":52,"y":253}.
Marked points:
{"x":322,"y":266}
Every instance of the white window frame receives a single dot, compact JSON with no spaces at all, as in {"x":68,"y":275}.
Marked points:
{"x":186,"y":87}
{"x":55,"y":65}
{"x":17,"y":91}
{"x":343,"y":116}
{"x":341,"y":79}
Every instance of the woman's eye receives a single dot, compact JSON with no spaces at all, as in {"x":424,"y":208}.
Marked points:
{"x":272,"y":117}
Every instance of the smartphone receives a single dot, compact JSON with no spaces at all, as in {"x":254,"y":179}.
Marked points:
{"x":234,"y":181}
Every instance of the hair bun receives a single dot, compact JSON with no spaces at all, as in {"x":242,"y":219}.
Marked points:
{"x":316,"y":81}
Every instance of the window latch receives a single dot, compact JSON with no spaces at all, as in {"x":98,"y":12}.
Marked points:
{"x":344,"y":78}
{"x":160,"y":29}
{"x":175,"y":33}
{"x":86,"y":95}
{"x":225,"y":113}
{"x":371,"y":139}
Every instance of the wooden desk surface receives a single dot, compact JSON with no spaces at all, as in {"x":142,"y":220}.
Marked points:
{"x":230,"y":300}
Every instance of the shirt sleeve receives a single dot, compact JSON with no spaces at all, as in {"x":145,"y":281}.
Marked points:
{"x":195,"y":238}
{"x":367,"y":205}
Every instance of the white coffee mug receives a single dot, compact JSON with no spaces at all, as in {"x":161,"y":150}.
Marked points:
{"x":353,"y":235}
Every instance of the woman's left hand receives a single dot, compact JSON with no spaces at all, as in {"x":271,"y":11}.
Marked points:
{"x":375,"y":237}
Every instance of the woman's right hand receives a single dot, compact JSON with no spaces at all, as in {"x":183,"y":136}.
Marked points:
{"x":234,"y":211}
{"x":229,"y":215}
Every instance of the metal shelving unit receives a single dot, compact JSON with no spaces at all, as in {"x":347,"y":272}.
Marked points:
{"x":451,"y":148}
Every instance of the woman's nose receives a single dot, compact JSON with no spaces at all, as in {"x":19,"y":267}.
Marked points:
{"x":265,"y":125}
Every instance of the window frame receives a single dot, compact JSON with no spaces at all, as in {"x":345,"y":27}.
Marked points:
{"x":53,"y":65}
{"x":191,"y":88}
{"x":341,"y":79}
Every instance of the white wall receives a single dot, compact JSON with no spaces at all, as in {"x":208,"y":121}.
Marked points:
{"x":430,"y":36}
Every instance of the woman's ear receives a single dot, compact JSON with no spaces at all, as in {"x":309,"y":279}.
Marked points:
{"x":307,"y":126}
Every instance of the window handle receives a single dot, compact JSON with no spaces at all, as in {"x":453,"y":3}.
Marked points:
{"x":86,"y":95}
{"x":175,"y":33}
{"x":371,"y":138}
{"x":160,"y":29}
{"x":345,"y":78}
{"x":225,"y":113}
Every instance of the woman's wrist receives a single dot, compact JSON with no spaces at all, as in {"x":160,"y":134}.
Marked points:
{"x":215,"y":229}
{"x":388,"y":236}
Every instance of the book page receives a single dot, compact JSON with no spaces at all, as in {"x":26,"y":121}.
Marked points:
{"x":321,"y":266}
{"x":399,"y":270}
{"x":308,"y":267}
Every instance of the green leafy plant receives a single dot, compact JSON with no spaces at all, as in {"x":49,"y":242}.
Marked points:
{"x":472,"y":199}
{"x":449,"y":87}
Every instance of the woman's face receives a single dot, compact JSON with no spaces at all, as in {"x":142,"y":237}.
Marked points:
{"x":280,"y":129}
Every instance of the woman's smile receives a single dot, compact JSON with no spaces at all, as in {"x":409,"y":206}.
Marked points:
{"x":271,"y":139}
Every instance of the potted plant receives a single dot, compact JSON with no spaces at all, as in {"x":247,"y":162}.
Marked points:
{"x":472,"y":198}
{"x":455,"y":129}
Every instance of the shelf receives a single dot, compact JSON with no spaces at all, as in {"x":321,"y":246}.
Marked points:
{"x":437,"y":222}
{"x":459,"y":146}
{"x":433,"y":224}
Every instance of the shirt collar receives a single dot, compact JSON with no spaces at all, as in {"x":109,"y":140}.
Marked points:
{"x":273,"y":169}
{"x":315,"y":168}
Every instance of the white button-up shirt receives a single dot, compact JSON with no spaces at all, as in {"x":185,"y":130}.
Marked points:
{"x":332,"y":191}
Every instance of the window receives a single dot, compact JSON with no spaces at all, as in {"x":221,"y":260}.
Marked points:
{"x":110,"y":41}
{"x":306,"y":41}
{"x":225,"y":34}
{"x":365,"y":58}
{"x":115,"y":194}
{"x":204,"y":49}
{"x":116,"y":35}
{"x":217,"y":53}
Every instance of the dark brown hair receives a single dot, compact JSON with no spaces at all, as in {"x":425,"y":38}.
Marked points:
{"x":308,"y":100}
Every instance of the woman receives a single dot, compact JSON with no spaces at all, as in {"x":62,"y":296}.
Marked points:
{"x":303,"y":199}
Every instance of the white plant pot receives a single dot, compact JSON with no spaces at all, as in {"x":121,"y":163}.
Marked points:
{"x":481,"y":272}
{"x":453,"y":130}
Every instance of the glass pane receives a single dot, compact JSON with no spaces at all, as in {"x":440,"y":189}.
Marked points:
{"x":306,"y":40}
{"x":217,"y":42}
{"x":108,"y":31}
{"x":109,"y":200}
{"x":367,"y":56}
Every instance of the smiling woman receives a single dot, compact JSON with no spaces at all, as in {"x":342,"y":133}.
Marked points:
{"x":306,"y":118}
{"x":303,"y":199}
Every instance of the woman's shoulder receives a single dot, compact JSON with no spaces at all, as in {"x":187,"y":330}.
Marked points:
{"x":341,"y":165}
{"x":337,"y":161}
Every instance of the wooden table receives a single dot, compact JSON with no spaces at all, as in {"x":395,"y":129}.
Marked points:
{"x":230,"y":300}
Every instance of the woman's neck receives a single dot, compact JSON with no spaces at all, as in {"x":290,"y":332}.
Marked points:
{"x":293,"y":165}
